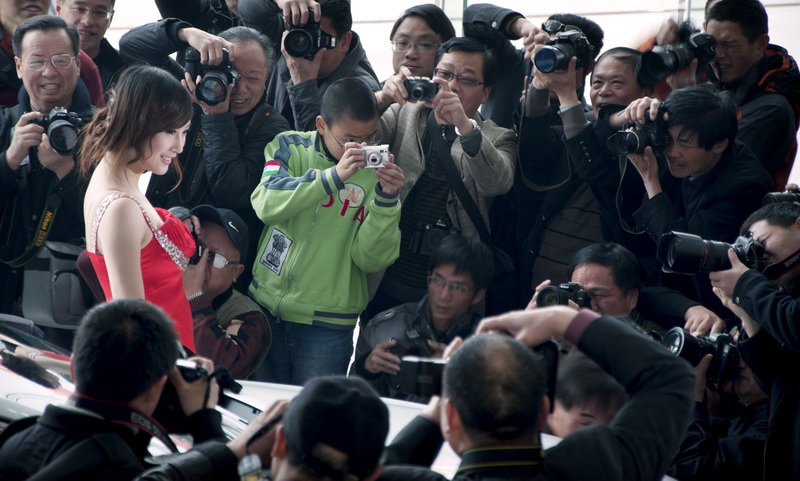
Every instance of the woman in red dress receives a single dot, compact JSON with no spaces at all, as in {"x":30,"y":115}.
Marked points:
{"x":137,"y":250}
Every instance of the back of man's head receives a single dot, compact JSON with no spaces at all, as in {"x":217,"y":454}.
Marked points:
{"x":122,"y":348}
{"x":338,"y":11}
{"x":336,"y":427}
{"x":594,"y":34}
{"x":497,"y":386}
{"x":582,"y":382}
{"x":349,"y":98}
{"x":749,"y":14}
{"x":468,"y":255}
{"x":704,"y":113}
{"x":781,"y":214}
{"x":45,"y":23}
{"x":622,"y":262}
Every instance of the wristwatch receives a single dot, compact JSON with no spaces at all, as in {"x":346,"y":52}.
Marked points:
{"x":473,"y":132}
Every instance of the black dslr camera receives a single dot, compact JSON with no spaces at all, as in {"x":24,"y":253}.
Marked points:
{"x":725,"y":363}
{"x":557,"y":52}
{"x":426,"y":237}
{"x":414,"y":344}
{"x":304,"y":41}
{"x":421,"y":89}
{"x":791,"y":195}
{"x":689,"y":254}
{"x":212,"y":88}
{"x":561,"y":295}
{"x":61,"y":128}
{"x":665,"y":60}
{"x":652,"y":133}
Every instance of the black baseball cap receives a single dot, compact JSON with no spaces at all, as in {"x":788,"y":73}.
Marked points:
{"x":230,"y":220}
{"x":337,"y":426}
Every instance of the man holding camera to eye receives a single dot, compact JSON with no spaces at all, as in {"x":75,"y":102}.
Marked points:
{"x":482,"y":153}
{"x":233,"y":122}
{"x":767,"y":306}
{"x":304,"y":72}
{"x":229,"y":328}
{"x":762,"y":80}
{"x":460,"y":269}
{"x":40,"y":189}
{"x":124,"y":354}
{"x":709,"y":183}
{"x":491,"y":415}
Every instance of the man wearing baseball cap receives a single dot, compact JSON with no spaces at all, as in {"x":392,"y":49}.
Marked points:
{"x":229,"y":327}
{"x":334,"y":429}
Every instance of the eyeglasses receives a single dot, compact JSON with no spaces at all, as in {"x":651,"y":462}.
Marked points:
{"x":219,"y":261}
{"x":454,"y":287}
{"x":465,"y":81}
{"x":82,"y":10}
{"x":554,"y":26}
{"x":60,"y":61}
{"x":423,"y":47}
{"x":371,"y":140}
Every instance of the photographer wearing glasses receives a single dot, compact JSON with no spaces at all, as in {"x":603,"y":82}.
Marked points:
{"x":422,"y":114}
{"x":229,"y":328}
{"x":459,"y":271}
{"x":92,"y":19}
{"x":40,"y":190}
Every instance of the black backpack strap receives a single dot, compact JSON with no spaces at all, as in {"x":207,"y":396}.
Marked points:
{"x":471,"y":208}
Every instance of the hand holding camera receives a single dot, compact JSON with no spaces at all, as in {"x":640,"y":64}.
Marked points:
{"x":189,"y":378}
{"x":382,"y":358}
{"x":448,"y":109}
{"x":211,"y":48}
{"x":298,"y":12}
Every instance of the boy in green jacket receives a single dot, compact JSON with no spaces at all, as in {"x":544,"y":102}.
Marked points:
{"x":329,"y":221}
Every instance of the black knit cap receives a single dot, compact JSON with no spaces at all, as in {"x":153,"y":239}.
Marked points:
{"x":337,"y":426}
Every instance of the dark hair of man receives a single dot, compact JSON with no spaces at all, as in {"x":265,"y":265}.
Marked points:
{"x":468,"y":255}
{"x":781,"y":214}
{"x":432,"y":15}
{"x":145,"y":101}
{"x":497,"y":386}
{"x":594,"y":34}
{"x":581,"y":382}
{"x":749,"y":14}
{"x":45,"y":23}
{"x":349,"y":98}
{"x":622,"y":262}
{"x":702,"y":112}
{"x":628,"y":56}
{"x":338,"y":12}
{"x":470,"y":45}
{"x":121,"y":349}
{"x":242,"y":35}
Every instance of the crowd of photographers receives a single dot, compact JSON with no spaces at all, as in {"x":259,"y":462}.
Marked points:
{"x":475,"y":190}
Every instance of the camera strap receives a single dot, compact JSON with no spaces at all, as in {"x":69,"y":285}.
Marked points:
{"x":774,"y":271}
{"x":125,"y":415}
{"x":46,"y":219}
{"x":471,"y":208}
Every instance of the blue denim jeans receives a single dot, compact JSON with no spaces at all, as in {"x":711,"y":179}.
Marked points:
{"x":301,"y":351}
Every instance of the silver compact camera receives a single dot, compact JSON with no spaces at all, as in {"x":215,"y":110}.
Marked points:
{"x":376,"y":155}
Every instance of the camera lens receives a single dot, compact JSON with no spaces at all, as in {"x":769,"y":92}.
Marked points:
{"x":626,"y":142}
{"x":418,"y":92}
{"x":374,"y":158}
{"x":298,"y":43}
{"x":63,"y":137}
{"x":551,"y":296}
{"x":681,"y":343}
{"x":551,"y":58}
{"x":213,"y":88}
{"x":690,"y":254}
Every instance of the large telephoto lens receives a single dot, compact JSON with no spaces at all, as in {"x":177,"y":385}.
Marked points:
{"x":690,"y":254}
